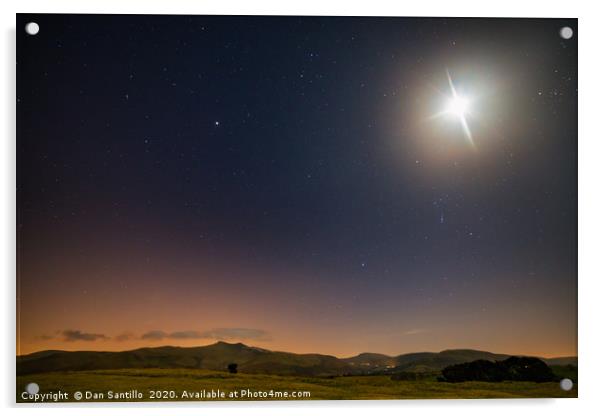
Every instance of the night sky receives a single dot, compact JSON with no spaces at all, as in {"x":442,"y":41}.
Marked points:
{"x":295,"y":183}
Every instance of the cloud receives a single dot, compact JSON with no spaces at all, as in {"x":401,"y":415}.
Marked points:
{"x":77,"y":335}
{"x":155,"y":335}
{"x":125,"y":336}
{"x":215,"y":333}
{"x":48,"y":337}
{"x":237,"y":333}
{"x":186,"y":335}
{"x":226,"y":334}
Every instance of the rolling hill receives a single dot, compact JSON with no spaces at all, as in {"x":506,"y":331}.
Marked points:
{"x":421,"y":361}
{"x":252,"y":360}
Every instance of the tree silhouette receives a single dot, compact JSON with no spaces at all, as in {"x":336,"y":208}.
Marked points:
{"x":513,"y":368}
{"x":233,"y":368}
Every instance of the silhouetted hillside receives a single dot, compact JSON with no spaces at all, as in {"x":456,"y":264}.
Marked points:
{"x":211,"y":357}
{"x":418,"y":361}
{"x":249,"y":360}
{"x":561,"y":361}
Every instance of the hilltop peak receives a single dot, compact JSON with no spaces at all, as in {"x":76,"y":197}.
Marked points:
{"x":456,"y":350}
{"x":231,"y":344}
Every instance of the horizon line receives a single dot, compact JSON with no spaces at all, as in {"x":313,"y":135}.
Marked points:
{"x":301,"y":353}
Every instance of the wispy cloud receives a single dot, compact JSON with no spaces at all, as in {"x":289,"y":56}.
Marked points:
{"x":215,"y":333}
{"x":125,"y":336}
{"x":155,"y":335}
{"x":77,"y":335}
{"x":186,"y":335}
{"x":226,"y":334}
{"x":237,"y":333}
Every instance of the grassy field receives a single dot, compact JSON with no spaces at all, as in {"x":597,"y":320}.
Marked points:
{"x":169,"y":384}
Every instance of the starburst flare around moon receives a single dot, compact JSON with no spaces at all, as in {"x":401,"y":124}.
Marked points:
{"x":457,"y":106}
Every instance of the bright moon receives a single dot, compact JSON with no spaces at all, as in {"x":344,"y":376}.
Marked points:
{"x":458,"y":105}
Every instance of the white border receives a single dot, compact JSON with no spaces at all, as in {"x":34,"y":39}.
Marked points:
{"x":590,"y":201}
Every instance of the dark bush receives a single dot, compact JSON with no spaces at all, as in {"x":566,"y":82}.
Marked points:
{"x":513,"y":368}
{"x":527,"y":369}
{"x":233,"y":368}
{"x":481,"y":370}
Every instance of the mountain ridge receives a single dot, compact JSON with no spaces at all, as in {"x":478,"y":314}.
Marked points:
{"x":254,"y":360}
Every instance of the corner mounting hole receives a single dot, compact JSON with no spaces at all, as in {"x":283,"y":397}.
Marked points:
{"x":32,"y":28}
{"x":566,"y":32}
{"x":566,"y":384}
{"x":32,"y":388}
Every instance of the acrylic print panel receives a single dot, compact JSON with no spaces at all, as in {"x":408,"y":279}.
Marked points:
{"x":295,"y":208}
